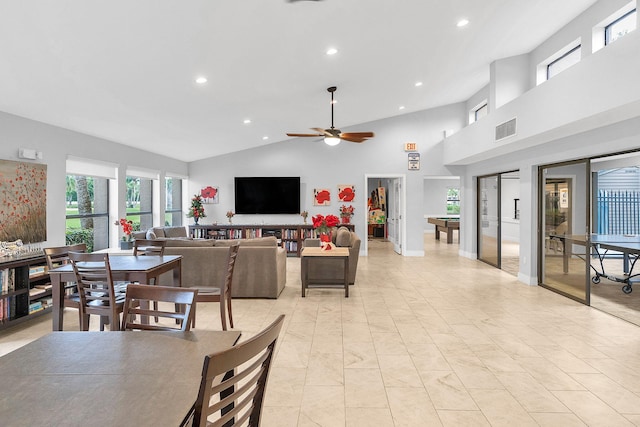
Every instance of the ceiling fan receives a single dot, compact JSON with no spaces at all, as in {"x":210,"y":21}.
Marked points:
{"x":332,"y":136}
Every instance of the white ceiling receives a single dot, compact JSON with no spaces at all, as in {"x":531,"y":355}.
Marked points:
{"x":124,"y":70}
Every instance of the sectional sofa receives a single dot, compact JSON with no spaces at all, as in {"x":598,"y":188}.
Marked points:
{"x":260,"y":270}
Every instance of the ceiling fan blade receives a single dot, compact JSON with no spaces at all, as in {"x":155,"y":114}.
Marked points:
{"x":351,"y":139}
{"x":323,"y":131}
{"x":357,"y":135}
{"x":304,"y":134}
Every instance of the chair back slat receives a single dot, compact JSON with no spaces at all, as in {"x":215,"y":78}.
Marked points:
{"x":138,"y":296}
{"x":250,"y":362}
{"x":149,"y":247}
{"x":59,"y":255}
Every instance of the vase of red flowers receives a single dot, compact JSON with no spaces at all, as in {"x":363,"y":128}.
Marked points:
{"x":196,"y":211}
{"x":323,"y":225}
{"x":346,"y":212}
{"x":127,"y":229}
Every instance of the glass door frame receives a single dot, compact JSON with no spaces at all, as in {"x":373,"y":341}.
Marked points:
{"x":479,"y":219}
{"x":587,"y":216}
{"x":498,"y":176}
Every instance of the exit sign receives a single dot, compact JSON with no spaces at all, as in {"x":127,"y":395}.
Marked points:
{"x":410,"y":146}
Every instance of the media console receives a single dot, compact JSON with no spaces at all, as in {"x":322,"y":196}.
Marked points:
{"x":290,"y":236}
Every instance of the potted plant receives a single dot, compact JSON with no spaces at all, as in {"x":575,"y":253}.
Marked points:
{"x":127,"y":229}
{"x":196,"y":211}
{"x":323,"y":225}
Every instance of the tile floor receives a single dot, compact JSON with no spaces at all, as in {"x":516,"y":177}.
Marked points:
{"x":433,"y":341}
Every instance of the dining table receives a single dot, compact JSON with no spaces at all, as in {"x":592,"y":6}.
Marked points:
{"x":124,"y":378}
{"x":141,"y":269}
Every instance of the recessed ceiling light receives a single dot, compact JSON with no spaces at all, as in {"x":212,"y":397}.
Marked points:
{"x":332,"y":51}
{"x":264,"y":138}
{"x":418,"y":84}
{"x":401,"y":107}
{"x":246,"y":121}
{"x":201,"y":80}
{"x":462,"y":22}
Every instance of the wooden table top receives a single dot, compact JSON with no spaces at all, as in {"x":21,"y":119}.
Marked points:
{"x":129,"y":263}
{"x":315,"y":251}
{"x":106,"y":378}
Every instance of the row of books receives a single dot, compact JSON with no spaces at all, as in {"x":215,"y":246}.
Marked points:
{"x":291,"y":246}
{"x":7,"y":284}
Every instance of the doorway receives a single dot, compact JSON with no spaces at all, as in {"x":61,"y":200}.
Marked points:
{"x":564,"y":219}
{"x":392,"y":209}
{"x":499,"y":220}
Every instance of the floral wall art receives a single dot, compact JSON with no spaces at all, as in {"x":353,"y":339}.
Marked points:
{"x":209,"y":194}
{"x":346,"y":193}
{"x":321,"y":197}
{"x":23,"y":201}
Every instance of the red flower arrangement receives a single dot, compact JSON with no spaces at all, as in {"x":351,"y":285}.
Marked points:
{"x":322,"y":224}
{"x":127,"y":228}
{"x":196,"y":210}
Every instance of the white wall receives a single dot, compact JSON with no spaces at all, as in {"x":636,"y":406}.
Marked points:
{"x":321,"y":166}
{"x":56,"y":144}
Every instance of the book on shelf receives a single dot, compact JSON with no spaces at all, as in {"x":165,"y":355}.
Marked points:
{"x":45,"y":286}
{"x":36,"y":270}
{"x":35,"y":307}
{"x":34,"y":292}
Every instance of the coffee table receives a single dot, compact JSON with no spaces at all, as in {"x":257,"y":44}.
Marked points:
{"x":310,"y":253}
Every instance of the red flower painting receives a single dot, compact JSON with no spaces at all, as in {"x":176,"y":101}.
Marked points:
{"x":322,"y":197}
{"x":209,"y":194}
{"x":346,"y":193}
{"x":23,"y":201}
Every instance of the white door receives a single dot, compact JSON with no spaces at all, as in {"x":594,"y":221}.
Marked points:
{"x":394,"y":220}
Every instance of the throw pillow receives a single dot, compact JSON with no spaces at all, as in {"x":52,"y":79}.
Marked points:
{"x":151,"y":235}
{"x":343,"y":237}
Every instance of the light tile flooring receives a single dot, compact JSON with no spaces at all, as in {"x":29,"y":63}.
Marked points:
{"x":434,"y":341}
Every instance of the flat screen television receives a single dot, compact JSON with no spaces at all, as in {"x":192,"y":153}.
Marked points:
{"x":267,"y":195}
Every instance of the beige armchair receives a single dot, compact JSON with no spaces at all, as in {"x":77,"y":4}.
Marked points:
{"x":331,"y":269}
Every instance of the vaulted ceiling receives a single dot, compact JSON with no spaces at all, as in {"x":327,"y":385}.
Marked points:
{"x":125,"y":70}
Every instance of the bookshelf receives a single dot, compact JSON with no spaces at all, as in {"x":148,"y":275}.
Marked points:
{"x":25,"y":290}
{"x":290,"y":236}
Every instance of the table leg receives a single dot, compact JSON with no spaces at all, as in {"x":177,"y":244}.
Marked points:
{"x":58,"y":307}
{"x":346,"y":277}
{"x":437,"y":232}
{"x":449,"y":235}
{"x":305,"y":276}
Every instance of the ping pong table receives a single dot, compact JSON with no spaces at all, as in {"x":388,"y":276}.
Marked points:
{"x":600,"y":245}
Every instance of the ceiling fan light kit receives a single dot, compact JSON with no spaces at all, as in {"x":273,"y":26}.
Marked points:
{"x":333,"y":136}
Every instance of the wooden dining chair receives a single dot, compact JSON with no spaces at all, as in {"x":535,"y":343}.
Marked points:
{"x":58,"y":256}
{"x":150,"y":247}
{"x":241,"y":394}
{"x":138,"y":296}
{"x":220,"y":295}
{"x":96,"y":289}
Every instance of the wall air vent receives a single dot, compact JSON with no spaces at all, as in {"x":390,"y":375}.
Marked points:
{"x":506,"y":129}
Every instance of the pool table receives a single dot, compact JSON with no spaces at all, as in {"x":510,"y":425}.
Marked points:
{"x":446,"y":225}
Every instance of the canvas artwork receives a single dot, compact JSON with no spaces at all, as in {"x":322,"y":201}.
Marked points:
{"x":209,"y":194}
{"x":346,"y":193}
{"x":321,"y":197}
{"x":23,"y":201}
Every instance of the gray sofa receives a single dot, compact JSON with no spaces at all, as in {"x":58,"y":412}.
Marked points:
{"x":331,"y":269}
{"x":260,"y":270}
{"x":166,"y":232}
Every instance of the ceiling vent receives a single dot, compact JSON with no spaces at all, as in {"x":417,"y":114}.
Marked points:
{"x":506,"y":129}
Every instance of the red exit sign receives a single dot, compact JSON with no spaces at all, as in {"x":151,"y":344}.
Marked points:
{"x":410,"y":146}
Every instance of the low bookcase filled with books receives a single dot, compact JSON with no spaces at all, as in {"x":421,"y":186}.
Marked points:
{"x":290,"y":236}
{"x":25,"y":289}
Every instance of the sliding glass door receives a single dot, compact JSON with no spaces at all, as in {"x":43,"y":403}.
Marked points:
{"x":564,"y":229}
{"x":489,"y":219}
